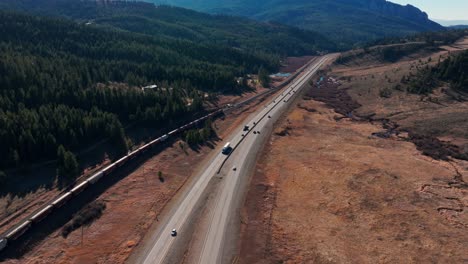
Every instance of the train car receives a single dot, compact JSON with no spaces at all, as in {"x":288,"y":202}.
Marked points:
{"x":96,"y":177}
{"x":107,"y":170}
{"x":19,"y":230}
{"x":37,"y":217}
{"x":154,"y":142}
{"x":62,"y":200}
{"x":122,"y":160}
{"x":145,"y":147}
{"x":130,"y":156}
{"x":173,"y":132}
{"x":79,"y":188}
{"x":3,"y":243}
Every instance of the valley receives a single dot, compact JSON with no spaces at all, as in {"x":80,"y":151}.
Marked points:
{"x":258,"y":132}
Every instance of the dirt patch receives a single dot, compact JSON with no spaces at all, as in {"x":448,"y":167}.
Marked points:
{"x":330,"y":193}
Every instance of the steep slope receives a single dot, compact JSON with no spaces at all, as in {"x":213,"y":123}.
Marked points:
{"x":342,"y":20}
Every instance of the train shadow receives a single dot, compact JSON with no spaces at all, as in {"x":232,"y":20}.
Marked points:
{"x":60,"y":216}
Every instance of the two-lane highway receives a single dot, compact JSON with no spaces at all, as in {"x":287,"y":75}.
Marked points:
{"x":161,"y":244}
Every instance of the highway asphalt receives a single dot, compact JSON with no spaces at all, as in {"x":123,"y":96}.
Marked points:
{"x":161,"y":244}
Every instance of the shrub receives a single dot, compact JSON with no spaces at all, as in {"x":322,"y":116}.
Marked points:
{"x":84,"y":217}
{"x":386,"y":93}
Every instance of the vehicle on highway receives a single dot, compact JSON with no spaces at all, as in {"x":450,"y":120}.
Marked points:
{"x":174,"y":232}
{"x":246,"y":128}
{"x":227,"y":148}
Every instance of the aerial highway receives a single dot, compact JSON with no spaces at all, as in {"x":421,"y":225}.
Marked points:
{"x":233,"y":170}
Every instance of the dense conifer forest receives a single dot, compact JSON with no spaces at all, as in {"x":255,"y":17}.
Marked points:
{"x":453,"y":70}
{"x":71,"y":72}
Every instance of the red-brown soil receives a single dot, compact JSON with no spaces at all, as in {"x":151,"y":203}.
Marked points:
{"x":328,"y":192}
{"x":333,"y":186}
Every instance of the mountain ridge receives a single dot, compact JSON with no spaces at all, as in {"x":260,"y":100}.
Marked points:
{"x":355,"y":21}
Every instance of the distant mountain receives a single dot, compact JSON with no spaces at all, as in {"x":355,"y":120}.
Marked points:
{"x":449,"y":23}
{"x":458,"y":27}
{"x":346,"y":21}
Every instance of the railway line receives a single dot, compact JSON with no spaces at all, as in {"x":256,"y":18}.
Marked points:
{"x":41,"y":214}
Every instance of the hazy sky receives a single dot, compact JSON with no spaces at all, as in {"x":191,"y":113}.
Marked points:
{"x":440,"y":9}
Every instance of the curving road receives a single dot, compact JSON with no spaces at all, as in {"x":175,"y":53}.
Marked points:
{"x":246,"y":144}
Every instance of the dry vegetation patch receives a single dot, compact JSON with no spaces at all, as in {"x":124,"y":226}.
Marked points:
{"x":372,"y":175}
{"x":332,"y":194}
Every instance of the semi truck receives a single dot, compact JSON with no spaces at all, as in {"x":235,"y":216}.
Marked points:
{"x":227,"y":148}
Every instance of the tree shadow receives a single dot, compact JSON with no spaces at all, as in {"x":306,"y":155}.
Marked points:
{"x":211,"y":143}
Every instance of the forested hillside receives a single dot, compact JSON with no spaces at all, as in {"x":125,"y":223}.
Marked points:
{"x":178,"y":23}
{"x":453,"y":71}
{"x":396,"y":48}
{"x":73,"y":84}
{"x":346,"y":21}
{"x":48,"y":75}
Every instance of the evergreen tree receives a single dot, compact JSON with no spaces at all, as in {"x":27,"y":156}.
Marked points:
{"x":67,"y":165}
{"x":264,"y":77}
